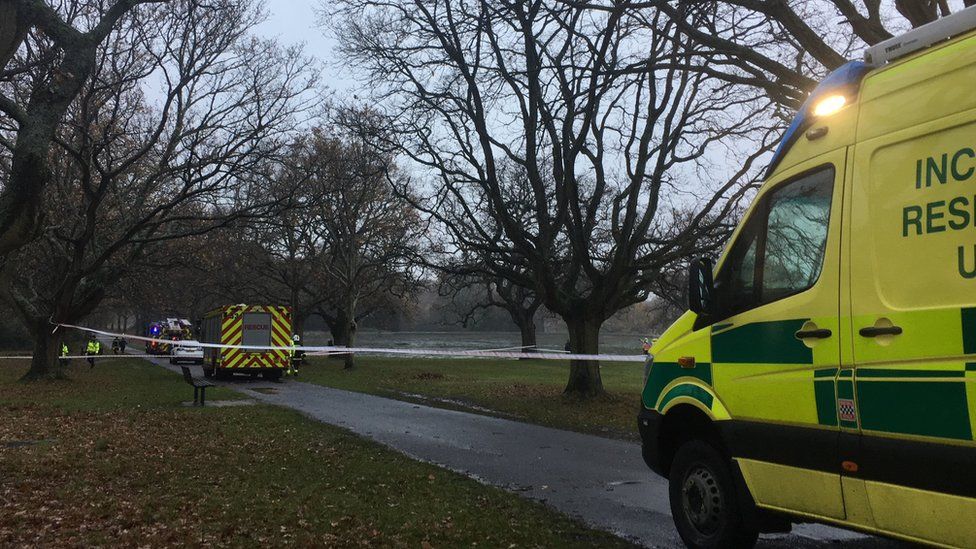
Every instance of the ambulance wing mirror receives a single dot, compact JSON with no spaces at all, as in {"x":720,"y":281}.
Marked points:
{"x":701,"y":288}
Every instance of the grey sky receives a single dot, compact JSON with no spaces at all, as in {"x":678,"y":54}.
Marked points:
{"x":294,"y":22}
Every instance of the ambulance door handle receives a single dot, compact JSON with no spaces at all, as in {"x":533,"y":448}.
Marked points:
{"x":875,"y":331}
{"x":819,"y":333}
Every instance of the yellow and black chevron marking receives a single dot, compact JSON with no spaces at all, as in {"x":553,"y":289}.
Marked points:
{"x":232,"y":328}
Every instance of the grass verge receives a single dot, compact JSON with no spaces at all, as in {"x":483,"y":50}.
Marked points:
{"x":527,"y":390}
{"x":111,"y":457}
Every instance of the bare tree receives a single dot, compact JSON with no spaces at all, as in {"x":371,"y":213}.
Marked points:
{"x":781,"y":48}
{"x":467,"y":273}
{"x":474,"y":293}
{"x":370,"y":236}
{"x":131,"y":173}
{"x":599,"y":111}
{"x":184,"y":277}
{"x":280,"y":256}
{"x":56,"y":48}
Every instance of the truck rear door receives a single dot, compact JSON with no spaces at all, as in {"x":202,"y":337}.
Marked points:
{"x":257,"y":330}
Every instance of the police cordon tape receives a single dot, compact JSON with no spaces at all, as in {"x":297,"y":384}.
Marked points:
{"x":99,"y":357}
{"x":332,"y":349}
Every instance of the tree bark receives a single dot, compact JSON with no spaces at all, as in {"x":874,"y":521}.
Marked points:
{"x":44,"y":364}
{"x":527,"y":327}
{"x":584,"y":375}
{"x":528,"y":334}
{"x":344,"y":335}
{"x":337,"y":333}
{"x":350,"y":359}
{"x":13,"y":30}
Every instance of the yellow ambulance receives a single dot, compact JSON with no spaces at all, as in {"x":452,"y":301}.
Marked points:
{"x":826,"y":369}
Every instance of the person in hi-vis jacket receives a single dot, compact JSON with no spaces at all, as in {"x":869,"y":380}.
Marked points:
{"x":93,"y":348}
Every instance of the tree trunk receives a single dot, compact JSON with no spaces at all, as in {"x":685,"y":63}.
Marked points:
{"x":350,"y":359}
{"x":527,"y":327}
{"x":584,"y":375}
{"x":335,"y":331}
{"x":13,"y":30}
{"x":347,"y":316}
{"x":44,"y":364}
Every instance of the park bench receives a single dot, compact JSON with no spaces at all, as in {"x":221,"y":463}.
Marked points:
{"x":199,"y":385}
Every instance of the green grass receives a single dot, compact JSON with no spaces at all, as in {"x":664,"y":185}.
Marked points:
{"x":529,"y":390}
{"x":114,"y":383}
{"x":114,"y":459}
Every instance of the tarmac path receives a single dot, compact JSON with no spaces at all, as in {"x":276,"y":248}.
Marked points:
{"x":604,"y":482}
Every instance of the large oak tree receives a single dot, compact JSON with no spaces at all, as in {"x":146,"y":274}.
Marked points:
{"x":599,"y":110}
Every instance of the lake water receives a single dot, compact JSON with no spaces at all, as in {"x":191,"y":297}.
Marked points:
{"x":468,"y":341}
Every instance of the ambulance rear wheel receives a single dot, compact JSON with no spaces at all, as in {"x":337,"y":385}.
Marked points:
{"x":272,"y":375}
{"x":703,"y":499}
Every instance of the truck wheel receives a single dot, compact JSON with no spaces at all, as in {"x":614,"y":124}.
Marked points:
{"x":704,"y":503}
{"x":273,"y":375}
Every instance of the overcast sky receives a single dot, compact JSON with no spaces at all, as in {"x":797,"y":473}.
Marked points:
{"x":294,"y":22}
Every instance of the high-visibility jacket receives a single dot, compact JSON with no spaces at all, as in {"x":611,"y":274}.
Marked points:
{"x":94,"y":347}
{"x":64,"y":350}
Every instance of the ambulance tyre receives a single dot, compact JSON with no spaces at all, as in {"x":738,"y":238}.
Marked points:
{"x":272,"y":375}
{"x":703,"y":499}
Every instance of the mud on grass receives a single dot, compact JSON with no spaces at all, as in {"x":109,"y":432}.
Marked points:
{"x":99,"y":473}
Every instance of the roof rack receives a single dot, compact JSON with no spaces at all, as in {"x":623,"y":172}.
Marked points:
{"x":927,"y":35}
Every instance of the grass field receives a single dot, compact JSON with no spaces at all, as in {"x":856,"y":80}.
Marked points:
{"x":529,"y":390}
{"x":111,"y":457}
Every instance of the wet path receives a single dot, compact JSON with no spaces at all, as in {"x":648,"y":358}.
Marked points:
{"x":602,"y":481}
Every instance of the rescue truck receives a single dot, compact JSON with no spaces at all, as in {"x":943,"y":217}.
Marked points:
{"x":826,"y":368}
{"x":171,"y":329}
{"x":247,"y":325}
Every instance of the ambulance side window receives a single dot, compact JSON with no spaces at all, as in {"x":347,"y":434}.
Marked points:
{"x":780,"y":250}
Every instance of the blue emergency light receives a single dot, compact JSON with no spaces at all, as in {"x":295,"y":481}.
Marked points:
{"x":845,"y":81}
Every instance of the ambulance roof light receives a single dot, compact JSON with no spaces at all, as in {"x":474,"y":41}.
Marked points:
{"x":927,"y":35}
{"x":829,"y":105}
{"x":843,"y":82}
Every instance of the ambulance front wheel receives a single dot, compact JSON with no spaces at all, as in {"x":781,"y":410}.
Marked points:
{"x":703,"y":500}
